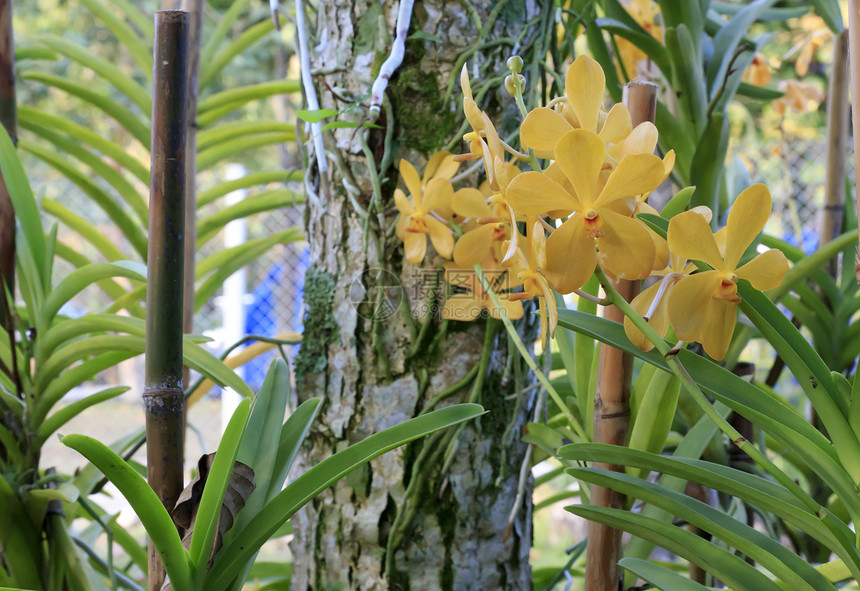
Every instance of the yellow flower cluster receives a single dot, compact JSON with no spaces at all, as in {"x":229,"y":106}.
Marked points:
{"x":599,"y":172}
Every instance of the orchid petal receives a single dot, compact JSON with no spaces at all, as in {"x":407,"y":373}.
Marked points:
{"x":585,"y":84}
{"x":535,"y":193}
{"x":746,"y":219}
{"x":474,"y":246}
{"x":626,"y":246}
{"x":580,"y":154}
{"x":659,"y":319}
{"x":415,"y":244}
{"x":697,"y":315}
{"x":437,"y":196}
{"x":471,"y":203}
{"x":541,"y":129}
{"x":766,"y":270}
{"x":571,"y":257}
{"x":690,"y":237}
{"x":617,"y":125}
{"x":440,"y":236}
{"x":635,"y":174}
{"x":411,"y":178}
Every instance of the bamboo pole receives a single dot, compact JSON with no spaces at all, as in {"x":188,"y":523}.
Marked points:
{"x":163,"y":391}
{"x":854,"y":44}
{"x":612,"y":399}
{"x":9,"y":120}
{"x":837,"y":140}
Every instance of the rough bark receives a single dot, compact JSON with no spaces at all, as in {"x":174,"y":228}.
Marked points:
{"x":376,"y":369}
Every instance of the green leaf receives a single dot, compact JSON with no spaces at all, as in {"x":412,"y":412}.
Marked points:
{"x":770,"y":553}
{"x":104,"y":170}
{"x":83,"y":227}
{"x":655,"y":50}
{"x":199,"y":359}
{"x":236,"y":97}
{"x":350,"y":125}
{"x":424,"y":36}
{"x":830,"y":12}
{"x":315,"y":116}
{"x":730,"y":569}
{"x":79,"y":279}
{"x":147,"y":506}
{"x":211,"y":156}
{"x":678,"y":203}
{"x":265,"y":201}
{"x":655,"y":414}
{"x":121,"y":217}
{"x":708,"y":163}
{"x":687,"y":77}
{"x":726,"y":41}
{"x":128,"y":120}
{"x":754,"y":490}
{"x":124,"y":83}
{"x":228,"y":20}
{"x":241,"y":548}
{"x":293,"y":434}
{"x":26,"y":210}
{"x":208,"y":138}
{"x":209,"y":510}
{"x":84,"y":135}
{"x":224,"y":263}
{"x":67,"y":413}
{"x":662,"y":578}
{"x":211,"y":68}
{"x":249,"y":180}
{"x":124,"y":34}
{"x":760,"y":93}
{"x":35,"y":53}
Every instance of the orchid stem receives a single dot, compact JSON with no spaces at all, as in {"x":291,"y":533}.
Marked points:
{"x":524,"y":352}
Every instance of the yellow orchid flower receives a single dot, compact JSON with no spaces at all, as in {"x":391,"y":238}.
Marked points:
{"x":484,"y":140}
{"x":601,"y":211}
{"x":800,"y":97}
{"x":526,"y":266}
{"x":483,"y":229}
{"x":423,"y":215}
{"x":758,"y":72}
{"x":652,"y":303}
{"x":703,"y":306}
{"x":584,"y":84}
{"x":644,"y":12}
{"x":474,"y":301}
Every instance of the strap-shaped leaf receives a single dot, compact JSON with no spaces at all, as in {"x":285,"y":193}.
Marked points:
{"x":211,"y":156}
{"x":208,"y":138}
{"x":86,"y":136}
{"x":26,"y":210}
{"x":660,"y":577}
{"x":73,"y":328}
{"x":729,"y":568}
{"x":112,"y":176}
{"x":80,"y":279}
{"x":727,"y":39}
{"x":122,"y":218}
{"x":83,"y":227}
{"x":220,"y":33}
{"x":252,"y":179}
{"x":124,"y":34}
{"x":266,"y":201}
{"x":124,"y":83}
{"x":770,"y":553}
{"x":213,"y":66}
{"x":231,"y":259}
{"x":247,"y":542}
{"x":754,"y":490}
{"x":131,"y":122}
{"x":77,"y":375}
{"x":145,"y":503}
{"x":67,"y":413}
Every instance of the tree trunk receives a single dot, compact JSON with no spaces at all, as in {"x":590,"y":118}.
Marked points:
{"x":374,"y":348}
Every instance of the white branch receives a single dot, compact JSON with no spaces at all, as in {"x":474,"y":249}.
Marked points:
{"x":308,"y":84}
{"x":390,"y":65}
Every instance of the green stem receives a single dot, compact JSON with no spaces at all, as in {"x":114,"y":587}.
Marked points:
{"x":524,"y":352}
